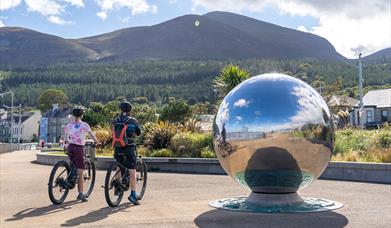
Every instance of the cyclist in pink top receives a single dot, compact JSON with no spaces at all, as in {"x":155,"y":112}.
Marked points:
{"x":75,"y":134}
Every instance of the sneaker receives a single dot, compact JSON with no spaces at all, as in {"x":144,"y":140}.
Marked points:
{"x":82,"y":197}
{"x":132,"y":198}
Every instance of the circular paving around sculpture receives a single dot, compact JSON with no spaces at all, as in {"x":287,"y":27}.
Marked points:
{"x":309,"y":204}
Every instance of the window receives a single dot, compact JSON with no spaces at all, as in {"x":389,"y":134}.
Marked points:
{"x":384,"y":115}
{"x":369,"y":116}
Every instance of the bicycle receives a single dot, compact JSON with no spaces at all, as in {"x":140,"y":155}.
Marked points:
{"x":224,"y":147}
{"x":115,"y":186}
{"x":59,"y":185}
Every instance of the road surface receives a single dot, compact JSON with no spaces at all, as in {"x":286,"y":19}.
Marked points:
{"x":175,"y":200}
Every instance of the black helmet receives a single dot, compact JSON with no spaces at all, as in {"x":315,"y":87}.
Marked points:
{"x":125,"y":106}
{"x":78,"y":111}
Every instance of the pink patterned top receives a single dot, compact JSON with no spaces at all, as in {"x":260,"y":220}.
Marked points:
{"x":77,"y":131}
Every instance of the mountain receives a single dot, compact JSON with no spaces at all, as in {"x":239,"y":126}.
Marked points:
{"x":219,"y":35}
{"x":20,"y":46}
{"x":285,"y":42}
{"x":381,"y":56}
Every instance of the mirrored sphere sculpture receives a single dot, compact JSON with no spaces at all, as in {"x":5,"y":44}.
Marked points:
{"x":273,"y":133}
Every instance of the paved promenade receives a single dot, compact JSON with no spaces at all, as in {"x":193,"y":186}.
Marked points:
{"x":175,"y":200}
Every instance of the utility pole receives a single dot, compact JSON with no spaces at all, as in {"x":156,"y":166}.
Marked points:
{"x":320,"y":88}
{"x":360,"y":90}
{"x":20,"y":124}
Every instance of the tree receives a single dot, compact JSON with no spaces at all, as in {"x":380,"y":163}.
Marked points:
{"x":175,"y":111}
{"x":50,"y":97}
{"x":144,"y":114}
{"x":229,"y":77}
{"x":140,"y":100}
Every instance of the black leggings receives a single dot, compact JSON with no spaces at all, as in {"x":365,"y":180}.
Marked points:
{"x":126,"y":156}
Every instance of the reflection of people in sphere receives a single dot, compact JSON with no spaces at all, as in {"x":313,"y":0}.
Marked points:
{"x":224,"y":133}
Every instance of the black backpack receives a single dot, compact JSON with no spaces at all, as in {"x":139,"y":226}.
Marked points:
{"x":120,"y":137}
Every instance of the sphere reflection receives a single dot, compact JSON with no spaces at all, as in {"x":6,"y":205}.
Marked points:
{"x":273,"y":134}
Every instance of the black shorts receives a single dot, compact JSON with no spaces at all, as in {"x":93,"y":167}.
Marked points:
{"x":126,"y":156}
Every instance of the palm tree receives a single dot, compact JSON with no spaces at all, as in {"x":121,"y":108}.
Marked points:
{"x":229,"y":77}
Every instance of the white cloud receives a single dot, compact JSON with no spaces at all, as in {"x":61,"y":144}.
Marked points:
{"x":172,"y":1}
{"x":1,"y":24}
{"x":125,"y":19}
{"x":53,"y":9}
{"x":154,"y":9}
{"x":8,"y":4}
{"x":241,"y":103}
{"x":102,"y":15}
{"x":77,"y":3}
{"x":135,"y":6}
{"x":57,"y":20}
{"x":302,"y":28}
{"x":350,"y":25}
{"x":44,"y":7}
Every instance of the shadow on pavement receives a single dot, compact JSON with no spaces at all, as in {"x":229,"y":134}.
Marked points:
{"x":225,"y":218}
{"x":97,"y":215}
{"x":40,"y":211}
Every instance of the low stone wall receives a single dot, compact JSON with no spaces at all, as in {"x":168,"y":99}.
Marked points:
{"x":358,"y":171}
{"x":6,"y":147}
{"x":346,"y":171}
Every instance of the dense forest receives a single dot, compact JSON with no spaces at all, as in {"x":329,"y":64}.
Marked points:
{"x":158,"y":79}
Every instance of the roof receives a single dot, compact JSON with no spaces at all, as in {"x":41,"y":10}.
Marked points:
{"x":342,"y":101}
{"x":380,"y":98}
{"x":57,"y":113}
{"x":25,"y":116}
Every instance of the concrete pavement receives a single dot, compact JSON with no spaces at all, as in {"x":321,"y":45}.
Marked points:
{"x":175,"y":200}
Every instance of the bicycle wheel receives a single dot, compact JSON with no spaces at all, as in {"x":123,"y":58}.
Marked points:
{"x":141,"y":177}
{"x":89,"y":177}
{"x":222,"y":150}
{"x":58,"y":187}
{"x":113,"y":191}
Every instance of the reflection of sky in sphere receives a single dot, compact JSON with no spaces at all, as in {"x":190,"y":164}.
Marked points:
{"x":270,"y":102}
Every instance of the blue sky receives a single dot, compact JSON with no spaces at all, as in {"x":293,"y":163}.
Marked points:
{"x":348,"y":28}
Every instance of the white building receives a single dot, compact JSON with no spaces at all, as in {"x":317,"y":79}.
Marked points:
{"x":24,"y":127}
{"x":376,"y":109}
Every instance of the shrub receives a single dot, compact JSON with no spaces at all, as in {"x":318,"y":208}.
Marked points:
{"x":143,"y":151}
{"x":105,"y":151}
{"x":363,"y":145}
{"x":159,"y":135}
{"x":175,"y":111}
{"x":191,"y":125}
{"x":190,"y":144}
{"x":384,"y":139}
{"x":103,"y":134}
{"x":162,"y":153}
{"x":207,"y":153}
{"x":144,"y":114}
